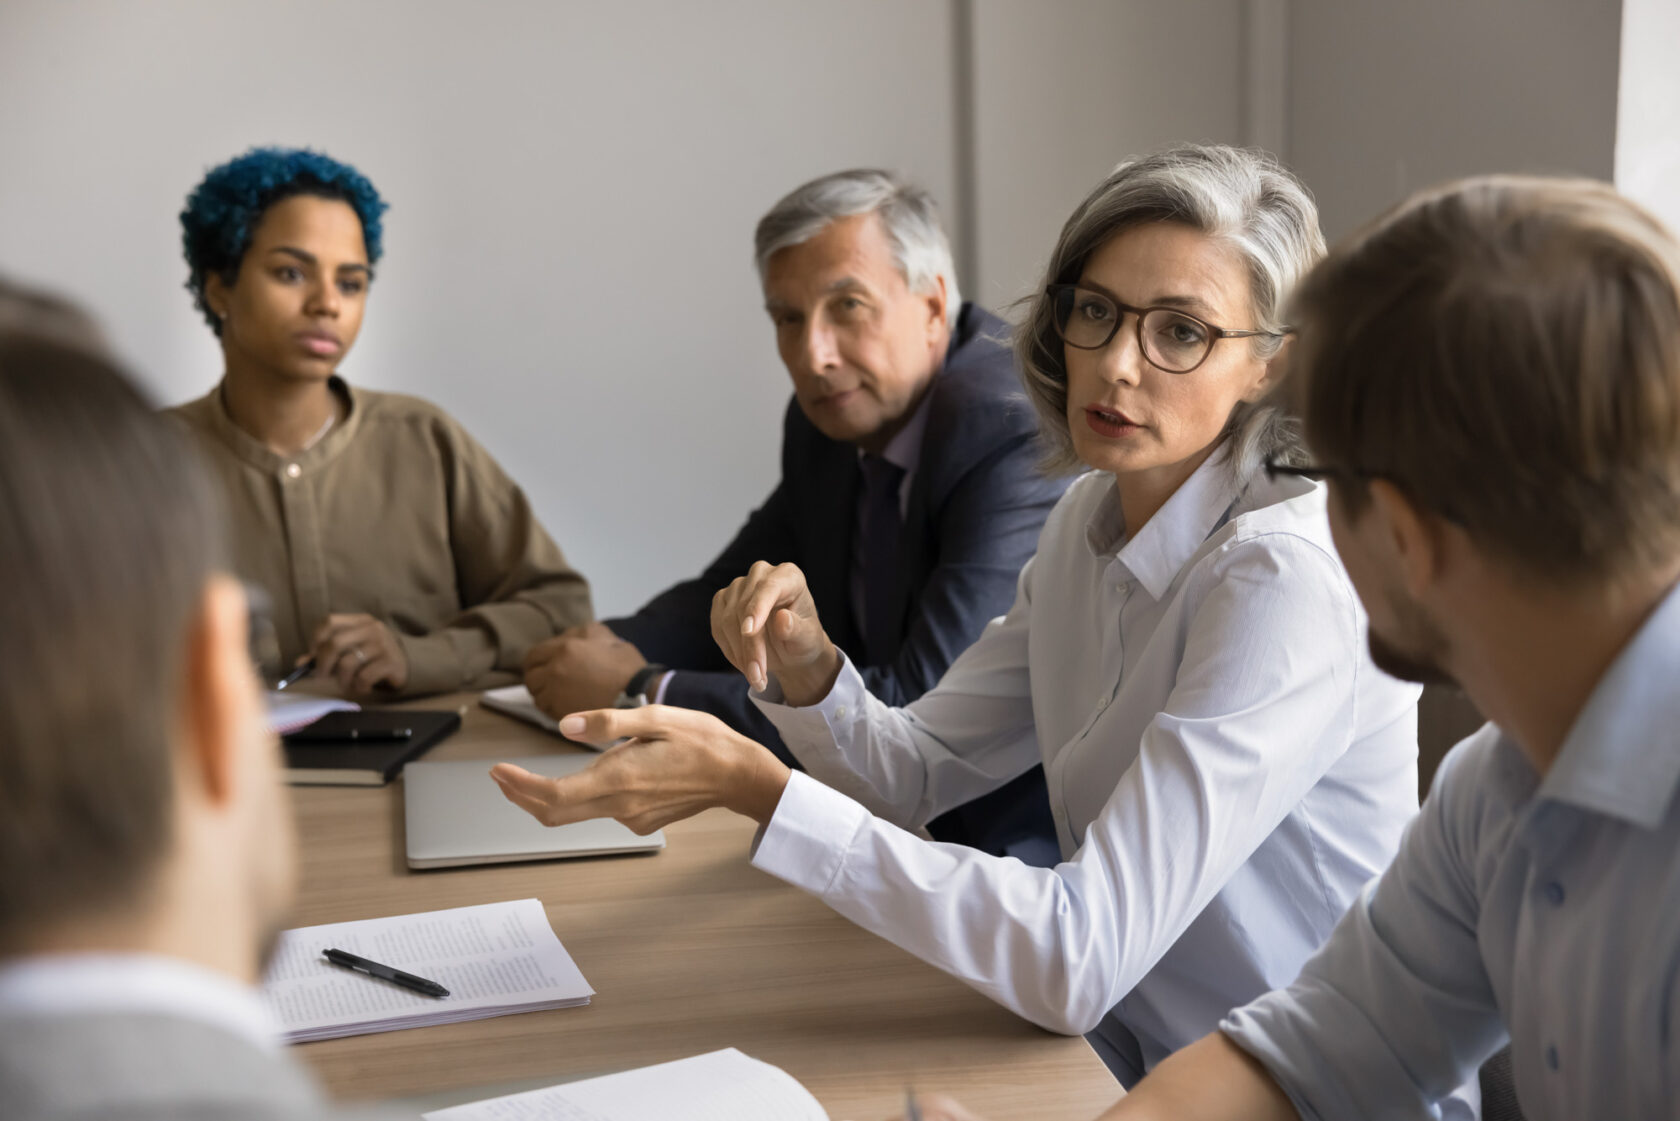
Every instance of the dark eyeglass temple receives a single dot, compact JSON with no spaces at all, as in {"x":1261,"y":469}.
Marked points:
{"x":1306,"y":471}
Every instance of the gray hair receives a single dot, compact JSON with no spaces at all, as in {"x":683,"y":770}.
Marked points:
{"x":1239,"y":196}
{"x":920,"y":248}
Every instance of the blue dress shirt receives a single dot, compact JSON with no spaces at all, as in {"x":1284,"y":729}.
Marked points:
{"x":1548,"y":908}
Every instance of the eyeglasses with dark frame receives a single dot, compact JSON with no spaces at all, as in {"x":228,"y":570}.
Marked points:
{"x":1318,"y":472}
{"x":1313,"y":471}
{"x":1171,"y":340}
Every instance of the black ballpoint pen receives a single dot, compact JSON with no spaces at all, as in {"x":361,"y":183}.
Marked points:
{"x":385,"y":973}
{"x":309,"y":733}
{"x":296,"y":675}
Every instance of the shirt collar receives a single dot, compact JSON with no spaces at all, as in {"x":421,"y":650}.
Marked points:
{"x":904,"y":450}
{"x":1622,"y":755}
{"x":258,"y":455}
{"x":91,"y":983}
{"x":1158,"y":552}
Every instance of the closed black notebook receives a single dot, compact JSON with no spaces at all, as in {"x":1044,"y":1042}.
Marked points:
{"x":346,"y":748}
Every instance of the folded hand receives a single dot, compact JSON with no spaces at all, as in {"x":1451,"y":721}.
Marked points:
{"x":359,"y":653}
{"x":581,"y":668}
{"x":766,"y":623}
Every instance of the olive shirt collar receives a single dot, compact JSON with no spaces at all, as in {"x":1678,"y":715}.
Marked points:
{"x":257,"y":454}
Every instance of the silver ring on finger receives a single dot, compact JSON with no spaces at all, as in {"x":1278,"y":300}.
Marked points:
{"x":361,"y":658}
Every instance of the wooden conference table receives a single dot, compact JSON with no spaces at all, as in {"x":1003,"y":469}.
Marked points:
{"x":689,"y":950}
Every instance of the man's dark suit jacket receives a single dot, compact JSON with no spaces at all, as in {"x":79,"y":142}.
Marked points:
{"x":976,"y":507}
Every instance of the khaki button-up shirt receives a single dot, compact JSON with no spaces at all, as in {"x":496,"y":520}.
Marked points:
{"x":397,"y":513}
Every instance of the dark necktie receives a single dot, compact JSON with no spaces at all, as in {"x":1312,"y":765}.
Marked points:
{"x":881,"y":523}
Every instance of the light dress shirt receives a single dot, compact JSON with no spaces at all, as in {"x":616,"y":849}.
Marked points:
{"x":1543,"y":907}
{"x":92,"y":983}
{"x":1226,"y":769}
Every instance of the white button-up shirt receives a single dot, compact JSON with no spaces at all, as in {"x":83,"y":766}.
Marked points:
{"x":1545,"y":907}
{"x":79,"y":984}
{"x":1226,"y":769}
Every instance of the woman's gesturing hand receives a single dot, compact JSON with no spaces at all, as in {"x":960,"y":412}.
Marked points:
{"x":766,"y":623}
{"x":675,"y":763}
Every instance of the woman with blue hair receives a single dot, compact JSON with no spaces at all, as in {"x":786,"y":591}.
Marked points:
{"x":399,"y":556}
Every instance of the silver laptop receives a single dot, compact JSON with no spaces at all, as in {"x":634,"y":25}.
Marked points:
{"x":456,"y":814}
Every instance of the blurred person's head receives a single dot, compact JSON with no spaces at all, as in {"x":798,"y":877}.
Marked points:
{"x":141,"y":806}
{"x":280,"y":246}
{"x":1151,"y":340}
{"x":1490,"y":377}
{"x":30,"y":311}
{"x":859,"y":283}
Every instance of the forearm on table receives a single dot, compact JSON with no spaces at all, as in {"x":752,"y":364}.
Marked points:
{"x":446,"y":659}
{"x":485,"y":639}
{"x":542,"y":610}
{"x":1211,"y":1080}
{"x":505,"y":630}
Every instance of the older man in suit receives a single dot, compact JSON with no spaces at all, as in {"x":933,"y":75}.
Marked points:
{"x":145,"y":844}
{"x":908,"y":496}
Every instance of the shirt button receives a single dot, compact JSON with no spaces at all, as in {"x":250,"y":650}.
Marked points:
{"x":1554,"y":893}
{"x":840,"y":712}
{"x":1551,"y":1058}
{"x":293,"y":470}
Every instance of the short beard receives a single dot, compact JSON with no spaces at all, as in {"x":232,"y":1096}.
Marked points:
{"x":1421,"y":670}
{"x":1420,"y":659}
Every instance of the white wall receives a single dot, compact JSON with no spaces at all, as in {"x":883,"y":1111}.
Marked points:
{"x":574,"y":184}
{"x":1648,"y":114}
{"x":1367,"y":100}
{"x":573,"y":188}
{"x":1065,"y":90}
{"x":1388,"y":97}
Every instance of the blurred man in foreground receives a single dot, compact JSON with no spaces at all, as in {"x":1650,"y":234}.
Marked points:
{"x":146,"y":850}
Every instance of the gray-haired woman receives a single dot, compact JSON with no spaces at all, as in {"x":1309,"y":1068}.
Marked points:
{"x":1185,"y":656}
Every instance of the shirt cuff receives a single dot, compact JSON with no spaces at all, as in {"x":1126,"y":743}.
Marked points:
{"x":445,"y":660}
{"x":809,"y":835}
{"x":812,"y":732}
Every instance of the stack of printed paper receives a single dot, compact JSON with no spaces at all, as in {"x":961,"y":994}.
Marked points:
{"x":495,"y":960}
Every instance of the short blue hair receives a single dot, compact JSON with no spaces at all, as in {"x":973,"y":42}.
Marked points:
{"x":224,"y":209}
